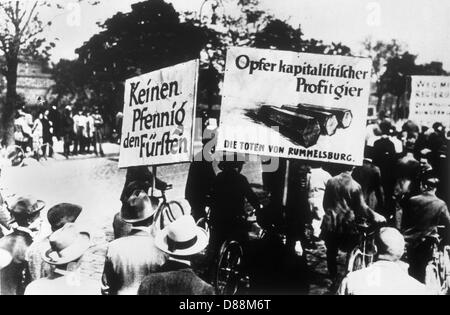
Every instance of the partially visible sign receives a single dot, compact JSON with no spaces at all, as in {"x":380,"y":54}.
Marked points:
{"x":159,"y":115}
{"x":295,"y":105}
{"x":430,"y":100}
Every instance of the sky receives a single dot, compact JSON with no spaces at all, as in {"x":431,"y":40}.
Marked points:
{"x":423,"y":26}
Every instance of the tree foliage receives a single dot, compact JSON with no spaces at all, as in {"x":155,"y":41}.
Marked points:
{"x":21,"y":35}
{"x":148,"y":38}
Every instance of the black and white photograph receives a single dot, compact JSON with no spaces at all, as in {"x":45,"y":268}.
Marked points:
{"x":224,"y":153}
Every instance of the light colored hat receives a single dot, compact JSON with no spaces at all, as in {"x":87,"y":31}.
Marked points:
{"x":66,"y":245}
{"x":182,"y":238}
{"x":5,"y":258}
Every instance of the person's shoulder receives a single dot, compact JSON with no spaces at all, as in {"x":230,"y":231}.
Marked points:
{"x":415,"y":287}
{"x":119,"y":244}
{"x":242,"y":178}
{"x":37,"y":287}
{"x":321,"y":172}
{"x":132,"y":244}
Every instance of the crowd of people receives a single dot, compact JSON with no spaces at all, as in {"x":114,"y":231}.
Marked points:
{"x":80,"y":130}
{"x":402,"y":188}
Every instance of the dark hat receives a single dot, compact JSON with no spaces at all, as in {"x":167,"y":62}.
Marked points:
{"x":230,"y":161}
{"x":139,"y":207}
{"x":230,"y":165}
{"x":134,"y":186}
{"x":410,"y":127}
{"x":430,"y":179}
{"x":61,"y":214}
{"x":438,"y":127}
{"x":26,"y":207}
{"x":386,"y":127}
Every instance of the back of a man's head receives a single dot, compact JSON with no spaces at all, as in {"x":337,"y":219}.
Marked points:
{"x":391,"y":245}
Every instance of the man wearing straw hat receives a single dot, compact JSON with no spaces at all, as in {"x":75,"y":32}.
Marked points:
{"x":58,"y":216}
{"x":131,"y":258}
{"x":182,"y":240}
{"x":64,"y":253}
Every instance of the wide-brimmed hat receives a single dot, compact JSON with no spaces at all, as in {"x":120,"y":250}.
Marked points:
{"x":66,"y":245}
{"x":139,"y":207}
{"x":182,"y":238}
{"x":63,"y":213}
{"x":26,"y":207}
{"x":5,"y":258}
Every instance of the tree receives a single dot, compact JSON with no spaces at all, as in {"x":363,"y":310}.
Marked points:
{"x":381,"y":54}
{"x":395,"y":80}
{"x":249,"y":27}
{"x":148,"y":38}
{"x":20,"y":25}
{"x":21,"y":28}
{"x":278,"y":34}
{"x":70,"y":84}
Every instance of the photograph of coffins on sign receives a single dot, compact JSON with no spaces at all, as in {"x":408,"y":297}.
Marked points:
{"x":295,"y":105}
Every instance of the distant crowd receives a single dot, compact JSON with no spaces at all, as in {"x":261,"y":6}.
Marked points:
{"x":81,"y":131}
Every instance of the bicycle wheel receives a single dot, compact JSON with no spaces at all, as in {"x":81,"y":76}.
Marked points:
{"x":355,"y":261}
{"x":443,"y":270}
{"x":203,"y":223}
{"x":168,"y":213}
{"x":432,"y":278}
{"x":229,"y":269}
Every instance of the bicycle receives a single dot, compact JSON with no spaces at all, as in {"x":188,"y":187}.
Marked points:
{"x":166,"y":210}
{"x":232,"y":275}
{"x":364,"y":254}
{"x":437,"y":272}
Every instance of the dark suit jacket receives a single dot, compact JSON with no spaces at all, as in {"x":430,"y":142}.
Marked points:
{"x":344,"y":204}
{"x":424,"y":213}
{"x":369,"y":177}
{"x":175,"y":279}
{"x":385,"y":157}
{"x":230,"y":191}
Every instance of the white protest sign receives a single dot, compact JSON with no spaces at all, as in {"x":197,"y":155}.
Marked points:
{"x":295,"y":105}
{"x":430,"y":100}
{"x":159,"y":115}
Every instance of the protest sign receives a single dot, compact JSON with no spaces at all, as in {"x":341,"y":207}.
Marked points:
{"x":295,"y":105}
{"x":430,"y":100}
{"x":159,"y":115}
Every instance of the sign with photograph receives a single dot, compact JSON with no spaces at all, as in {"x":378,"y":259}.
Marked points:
{"x":430,"y":100}
{"x":295,"y":105}
{"x":159,"y":115}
